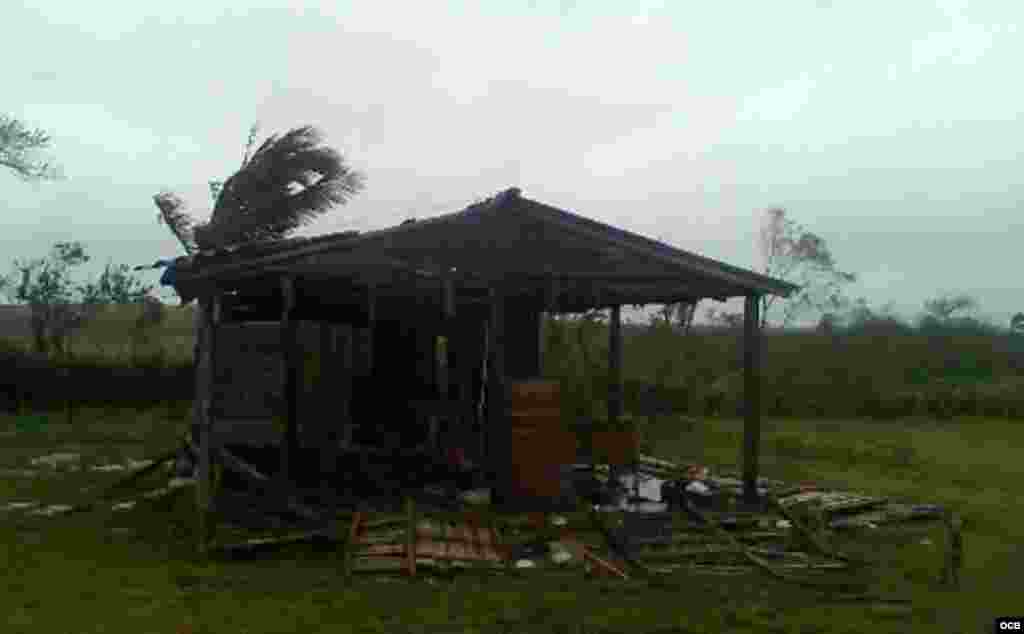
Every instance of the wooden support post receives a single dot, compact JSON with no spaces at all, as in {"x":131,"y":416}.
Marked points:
{"x":615,"y":366}
{"x":751,"y":396}
{"x":448,"y":297}
{"x":496,"y":439}
{"x":328,"y":428}
{"x":346,"y":368}
{"x":290,"y":367}
{"x":371,"y":318}
{"x":209,"y":308}
{"x":615,"y":376}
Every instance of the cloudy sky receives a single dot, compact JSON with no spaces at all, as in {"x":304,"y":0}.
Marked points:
{"x":892,"y":129}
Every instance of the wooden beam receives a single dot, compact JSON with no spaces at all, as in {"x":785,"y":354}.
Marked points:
{"x":751,"y":396}
{"x":210,"y":308}
{"x":290,"y":376}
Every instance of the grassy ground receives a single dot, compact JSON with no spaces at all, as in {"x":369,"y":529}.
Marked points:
{"x":133,"y":571}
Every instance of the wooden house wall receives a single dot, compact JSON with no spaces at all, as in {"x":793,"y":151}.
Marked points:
{"x":391,"y":364}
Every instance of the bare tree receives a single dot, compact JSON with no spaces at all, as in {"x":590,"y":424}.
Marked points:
{"x":20,"y":147}
{"x":793,"y":254}
{"x":679,"y":314}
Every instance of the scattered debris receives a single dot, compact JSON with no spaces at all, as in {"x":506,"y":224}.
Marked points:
{"x":477,"y":497}
{"x":712,"y":534}
{"x":17,"y":506}
{"x":18,"y":473}
{"x":54,"y":509}
{"x":832,"y":502}
{"x":131,"y":464}
{"x":53,"y":460}
{"x":560,"y":556}
{"x":107,"y":467}
{"x":176,"y":483}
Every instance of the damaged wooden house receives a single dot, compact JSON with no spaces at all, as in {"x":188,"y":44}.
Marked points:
{"x":321,"y":351}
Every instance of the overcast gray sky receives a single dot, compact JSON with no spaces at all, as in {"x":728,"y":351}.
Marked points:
{"x":892,"y":129}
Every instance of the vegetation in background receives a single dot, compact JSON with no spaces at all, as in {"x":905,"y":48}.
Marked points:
{"x":20,"y":149}
{"x":794,"y":254}
{"x":46,"y":286}
{"x":869,"y":363}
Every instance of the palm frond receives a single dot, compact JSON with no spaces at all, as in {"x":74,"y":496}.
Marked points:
{"x":172,"y":213}
{"x":289,"y":181}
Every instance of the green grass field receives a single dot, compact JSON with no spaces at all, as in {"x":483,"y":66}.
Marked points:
{"x":134,"y":571}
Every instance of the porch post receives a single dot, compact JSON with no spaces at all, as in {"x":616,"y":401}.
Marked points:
{"x":495,"y":439}
{"x":371,"y":319}
{"x":209,"y":318}
{"x":615,"y":366}
{"x":327,"y":430}
{"x":615,"y":380}
{"x":346,"y":344}
{"x":290,"y":381}
{"x":751,"y":396}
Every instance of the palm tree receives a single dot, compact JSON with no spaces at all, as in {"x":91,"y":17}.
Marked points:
{"x":288,"y":181}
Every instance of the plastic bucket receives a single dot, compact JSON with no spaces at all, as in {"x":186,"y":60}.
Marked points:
{"x":30,"y":423}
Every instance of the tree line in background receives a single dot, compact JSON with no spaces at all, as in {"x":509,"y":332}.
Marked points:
{"x":286,"y":182}
{"x":860,"y":361}
{"x":59,"y":307}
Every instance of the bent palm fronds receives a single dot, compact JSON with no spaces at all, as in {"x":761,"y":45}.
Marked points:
{"x":289,"y":180}
{"x":172,"y":213}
